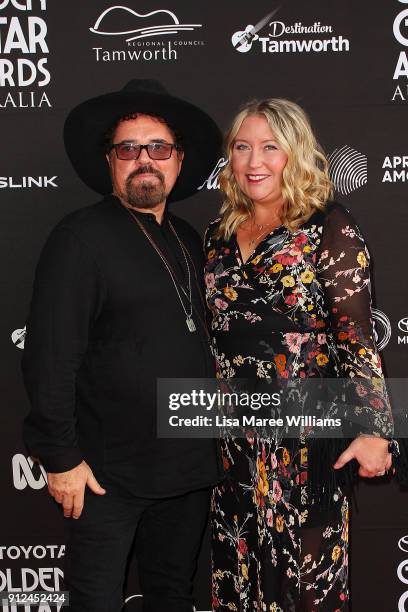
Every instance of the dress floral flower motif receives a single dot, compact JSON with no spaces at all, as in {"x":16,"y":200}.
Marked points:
{"x":299,"y":307}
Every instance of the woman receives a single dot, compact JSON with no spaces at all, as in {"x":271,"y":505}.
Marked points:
{"x":288,"y":285}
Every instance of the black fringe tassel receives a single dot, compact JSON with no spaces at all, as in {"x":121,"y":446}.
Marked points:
{"x":400,"y":461}
{"x":322,"y":483}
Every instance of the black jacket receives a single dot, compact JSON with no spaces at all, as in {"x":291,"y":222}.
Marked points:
{"x":105,"y":322}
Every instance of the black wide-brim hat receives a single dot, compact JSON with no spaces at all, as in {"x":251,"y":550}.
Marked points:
{"x":87,"y":124}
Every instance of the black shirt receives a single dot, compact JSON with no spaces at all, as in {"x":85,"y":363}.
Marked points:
{"x":105,"y":322}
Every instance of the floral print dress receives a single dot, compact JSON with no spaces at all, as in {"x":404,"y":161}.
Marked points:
{"x":299,"y":307}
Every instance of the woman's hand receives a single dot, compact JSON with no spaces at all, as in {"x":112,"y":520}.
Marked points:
{"x":371,"y":453}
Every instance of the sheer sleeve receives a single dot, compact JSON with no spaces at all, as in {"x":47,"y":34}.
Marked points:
{"x":343,"y":267}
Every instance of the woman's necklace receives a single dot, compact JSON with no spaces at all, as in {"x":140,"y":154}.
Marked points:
{"x":260,"y":227}
{"x":260,"y":230}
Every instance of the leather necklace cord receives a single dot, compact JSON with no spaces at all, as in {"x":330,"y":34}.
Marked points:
{"x":173,"y":275}
{"x":199,"y":291}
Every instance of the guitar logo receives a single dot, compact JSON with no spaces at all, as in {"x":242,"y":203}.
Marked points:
{"x":242,"y":40}
{"x":18,"y":337}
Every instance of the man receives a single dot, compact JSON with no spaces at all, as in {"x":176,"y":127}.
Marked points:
{"x":116,"y":305}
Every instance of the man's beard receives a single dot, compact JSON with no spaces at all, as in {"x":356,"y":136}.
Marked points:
{"x":145,"y":193}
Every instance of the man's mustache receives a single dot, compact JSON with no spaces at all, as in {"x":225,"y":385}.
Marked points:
{"x":146,"y":170}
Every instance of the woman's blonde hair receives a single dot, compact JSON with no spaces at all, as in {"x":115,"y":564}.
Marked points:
{"x":305,"y":183}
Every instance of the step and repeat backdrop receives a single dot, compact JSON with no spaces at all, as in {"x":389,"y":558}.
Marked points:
{"x":346,"y":63}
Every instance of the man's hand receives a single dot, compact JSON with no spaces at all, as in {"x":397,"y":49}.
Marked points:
{"x":371,"y":453}
{"x":68,"y":488}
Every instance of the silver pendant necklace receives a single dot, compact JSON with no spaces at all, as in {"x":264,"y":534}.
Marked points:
{"x":188,"y":294}
{"x":261,"y":227}
{"x":254,"y":240}
{"x":189,"y":319}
